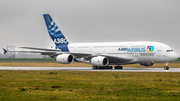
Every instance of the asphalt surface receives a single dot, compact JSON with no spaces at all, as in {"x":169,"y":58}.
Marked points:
{"x":126,"y":69}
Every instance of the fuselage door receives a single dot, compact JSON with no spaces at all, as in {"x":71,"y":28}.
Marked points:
{"x":104,"y":52}
{"x":75,"y":48}
{"x":159,"y":53}
{"x":136,"y":54}
{"x":90,"y":48}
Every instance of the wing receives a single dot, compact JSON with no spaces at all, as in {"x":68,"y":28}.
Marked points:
{"x":86,"y":58}
{"x":51,"y":52}
{"x":117,"y":59}
{"x":44,"y":49}
{"x":80,"y":57}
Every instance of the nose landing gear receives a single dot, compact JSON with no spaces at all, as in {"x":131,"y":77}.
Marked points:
{"x":166,"y":67}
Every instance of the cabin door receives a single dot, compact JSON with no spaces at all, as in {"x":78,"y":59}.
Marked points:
{"x":159,"y":53}
{"x":136,"y":54}
{"x":90,"y":48}
{"x":75,"y":48}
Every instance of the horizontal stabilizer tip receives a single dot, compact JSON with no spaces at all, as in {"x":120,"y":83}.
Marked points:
{"x":5,"y":51}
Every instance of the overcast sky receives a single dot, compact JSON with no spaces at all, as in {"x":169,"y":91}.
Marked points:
{"x":22,"y":23}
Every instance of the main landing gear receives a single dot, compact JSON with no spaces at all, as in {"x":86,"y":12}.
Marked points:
{"x":107,"y":67}
{"x":118,"y":67}
{"x":166,"y":67}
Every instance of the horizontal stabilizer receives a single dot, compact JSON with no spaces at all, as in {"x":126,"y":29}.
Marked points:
{"x":5,"y":51}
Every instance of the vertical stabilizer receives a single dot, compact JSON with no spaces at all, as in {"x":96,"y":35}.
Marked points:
{"x":54,"y":31}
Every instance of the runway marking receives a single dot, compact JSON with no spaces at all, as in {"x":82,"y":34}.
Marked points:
{"x":129,"y":69}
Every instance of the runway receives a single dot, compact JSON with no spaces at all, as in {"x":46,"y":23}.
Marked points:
{"x":126,"y":69}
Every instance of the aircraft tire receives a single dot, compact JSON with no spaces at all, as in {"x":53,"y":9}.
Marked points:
{"x":118,"y":67}
{"x":94,"y":67}
{"x":166,"y":68}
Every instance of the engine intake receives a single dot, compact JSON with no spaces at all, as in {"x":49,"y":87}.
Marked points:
{"x":65,"y":58}
{"x":100,"y":61}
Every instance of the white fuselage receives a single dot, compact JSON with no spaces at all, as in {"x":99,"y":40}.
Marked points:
{"x":141,"y":52}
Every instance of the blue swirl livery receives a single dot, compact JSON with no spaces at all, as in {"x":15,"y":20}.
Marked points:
{"x":59,"y":40}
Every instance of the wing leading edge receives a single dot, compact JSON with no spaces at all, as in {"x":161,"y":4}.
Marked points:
{"x":81,"y":57}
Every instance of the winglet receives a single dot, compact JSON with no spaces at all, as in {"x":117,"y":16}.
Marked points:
{"x":5,"y":51}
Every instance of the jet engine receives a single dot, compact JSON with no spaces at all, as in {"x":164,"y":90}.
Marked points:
{"x":147,"y":64}
{"x":65,"y":58}
{"x":100,"y":61}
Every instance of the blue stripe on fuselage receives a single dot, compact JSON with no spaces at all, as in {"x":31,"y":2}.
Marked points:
{"x":64,"y":47}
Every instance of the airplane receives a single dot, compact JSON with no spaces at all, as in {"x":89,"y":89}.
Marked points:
{"x":103,"y":55}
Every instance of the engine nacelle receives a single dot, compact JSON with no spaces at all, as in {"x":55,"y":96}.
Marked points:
{"x":147,"y":64}
{"x":100,"y":61}
{"x":65,"y":58}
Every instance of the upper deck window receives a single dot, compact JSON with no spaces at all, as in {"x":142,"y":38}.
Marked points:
{"x":169,"y":51}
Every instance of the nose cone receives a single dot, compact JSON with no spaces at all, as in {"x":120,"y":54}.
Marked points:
{"x":174,"y":57}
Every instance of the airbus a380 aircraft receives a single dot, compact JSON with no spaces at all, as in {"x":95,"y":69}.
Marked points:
{"x":102,"y":55}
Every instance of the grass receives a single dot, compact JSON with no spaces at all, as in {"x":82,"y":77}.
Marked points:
{"x":52,"y":63}
{"x":27,"y":60}
{"x":84,"y":86}
{"x":75,"y":64}
{"x":21,"y":85}
{"x":42,"y":64}
{"x":178,"y":60}
{"x":37,"y":60}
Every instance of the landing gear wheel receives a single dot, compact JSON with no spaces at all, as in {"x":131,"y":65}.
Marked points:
{"x":105,"y":67}
{"x":94,"y":67}
{"x":109,"y":67}
{"x":118,"y":67}
{"x":166,"y":68}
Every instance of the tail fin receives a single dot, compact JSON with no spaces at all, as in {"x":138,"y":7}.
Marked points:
{"x":54,"y":31}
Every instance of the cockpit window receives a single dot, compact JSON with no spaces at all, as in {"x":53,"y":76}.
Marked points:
{"x":169,"y":51}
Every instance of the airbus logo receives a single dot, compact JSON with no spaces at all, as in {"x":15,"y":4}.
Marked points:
{"x":123,"y":49}
{"x":137,"y":49}
{"x":60,"y":40}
